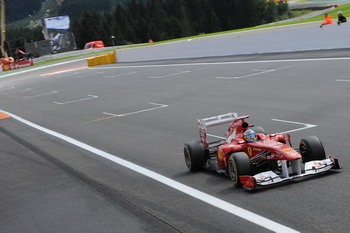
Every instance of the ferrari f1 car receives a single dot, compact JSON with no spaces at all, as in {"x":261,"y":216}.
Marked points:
{"x":269,"y":160}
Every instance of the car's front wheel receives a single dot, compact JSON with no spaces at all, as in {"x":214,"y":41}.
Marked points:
{"x":239,"y":165}
{"x":311,"y":148}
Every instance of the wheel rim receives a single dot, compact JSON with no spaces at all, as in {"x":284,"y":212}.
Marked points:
{"x":232,"y":171}
{"x":187,"y":158}
{"x":303,"y":148}
{"x":304,"y":152}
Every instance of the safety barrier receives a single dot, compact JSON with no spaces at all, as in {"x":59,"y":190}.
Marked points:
{"x":104,"y":59}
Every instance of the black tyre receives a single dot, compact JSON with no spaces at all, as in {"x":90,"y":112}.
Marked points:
{"x":258,"y":129}
{"x":311,"y":148}
{"x":195,"y":156}
{"x":239,"y":165}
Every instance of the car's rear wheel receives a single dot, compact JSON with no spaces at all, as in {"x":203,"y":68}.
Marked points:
{"x":239,"y":165}
{"x":311,"y":148}
{"x":195,"y":156}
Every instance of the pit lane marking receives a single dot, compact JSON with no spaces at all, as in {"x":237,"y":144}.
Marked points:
{"x":169,"y":75}
{"x":111,"y":115}
{"x":195,"y":193}
{"x":40,"y":95}
{"x":78,"y":100}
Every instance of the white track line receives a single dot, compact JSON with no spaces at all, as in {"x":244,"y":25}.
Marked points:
{"x":140,"y":111}
{"x":211,"y":200}
{"x":248,"y":75}
{"x":119,"y":75}
{"x":306,"y":126}
{"x":169,"y":75}
{"x":343,"y":80}
{"x":78,"y":100}
{"x":225,"y":63}
{"x":253,"y":74}
{"x":40,"y":95}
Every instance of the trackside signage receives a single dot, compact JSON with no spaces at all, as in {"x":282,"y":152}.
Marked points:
{"x":17,"y":65}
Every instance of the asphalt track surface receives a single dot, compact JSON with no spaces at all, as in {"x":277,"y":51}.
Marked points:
{"x":100,"y":149}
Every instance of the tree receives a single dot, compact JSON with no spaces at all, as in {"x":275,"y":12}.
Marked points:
{"x":88,"y":28}
{"x":270,"y":13}
{"x":119,"y":24}
{"x":75,"y":9}
{"x":136,"y":21}
{"x":178,"y":14}
{"x":249,"y":14}
{"x":157,"y":17}
{"x":19,"y":9}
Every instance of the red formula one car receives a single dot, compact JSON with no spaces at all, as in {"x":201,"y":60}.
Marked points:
{"x":267,"y":160}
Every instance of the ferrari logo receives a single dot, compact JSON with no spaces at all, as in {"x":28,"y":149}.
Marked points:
{"x":250,"y":151}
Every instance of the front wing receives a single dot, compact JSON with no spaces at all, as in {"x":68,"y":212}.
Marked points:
{"x":270,"y":177}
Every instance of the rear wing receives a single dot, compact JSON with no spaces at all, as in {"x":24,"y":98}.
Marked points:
{"x":203,"y":124}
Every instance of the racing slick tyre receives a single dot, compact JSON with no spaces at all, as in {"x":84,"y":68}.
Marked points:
{"x":195,"y":156}
{"x":258,"y":129}
{"x":311,"y":148}
{"x":239,"y":165}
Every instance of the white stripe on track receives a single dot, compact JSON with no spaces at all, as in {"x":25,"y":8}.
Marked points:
{"x":126,"y":66}
{"x":216,"y":202}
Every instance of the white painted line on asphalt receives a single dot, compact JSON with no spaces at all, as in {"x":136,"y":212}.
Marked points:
{"x":78,"y":100}
{"x":19,"y":91}
{"x":248,"y":75}
{"x":343,"y":80}
{"x":209,"y":199}
{"x":176,"y":65}
{"x":226,"y":63}
{"x":120,"y":75}
{"x":144,"y":110}
{"x":169,"y":75}
{"x":253,"y":74}
{"x":40,"y":95}
{"x":306,"y":126}
{"x":111,"y":115}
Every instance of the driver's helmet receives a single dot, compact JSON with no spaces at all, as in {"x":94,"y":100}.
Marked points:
{"x":250,"y":136}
